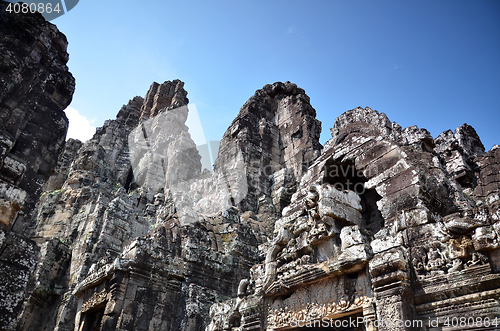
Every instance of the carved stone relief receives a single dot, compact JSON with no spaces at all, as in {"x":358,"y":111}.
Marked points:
{"x":443,"y":258}
{"x":327,"y":298}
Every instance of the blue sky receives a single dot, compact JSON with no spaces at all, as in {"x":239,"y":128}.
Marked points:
{"x":435,"y":64}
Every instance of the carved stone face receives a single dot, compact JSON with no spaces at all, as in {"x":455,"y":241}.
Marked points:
{"x":312,"y":199}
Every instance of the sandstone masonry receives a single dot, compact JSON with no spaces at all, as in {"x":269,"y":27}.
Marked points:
{"x":35,"y":88}
{"x":382,"y":226}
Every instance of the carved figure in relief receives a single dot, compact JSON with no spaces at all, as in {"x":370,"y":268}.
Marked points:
{"x":457,"y":255}
{"x":457,"y":265}
{"x":312,"y":202}
{"x":419,"y":266}
{"x":476,"y":259}
{"x":270,"y":263}
{"x":460,"y":248}
{"x":435,"y":261}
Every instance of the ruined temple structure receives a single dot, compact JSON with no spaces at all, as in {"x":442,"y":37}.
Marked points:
{"x":389,"y":229}
{"x":383,"y":228}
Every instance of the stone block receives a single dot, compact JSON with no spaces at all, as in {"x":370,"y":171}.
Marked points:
{"x":402,"y":180}
{"x":388,"y":261}
{"x":12,"y":170}
{"x":379,"y":150}
{"x":411,"y":218}
{"x":496,"y":227}
{"x":6,"y":143}
{"x":484,"y":239}
{"x":383,"y":244}
{"x":331,"y":208}
{"x":12,"y":193}
{"x":346,"y":197}
{"x":407,"y":198}
{"x":8,"y":212}
{"x":454,"y":223}
{"x":425,"y":234}
{"x":376,"y":177}
{"x":353,"y":258}
{"x":351,"y":236}
{"x":494,"y":257}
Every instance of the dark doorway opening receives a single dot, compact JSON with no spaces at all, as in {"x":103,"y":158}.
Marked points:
{"x":93,"y":319}
{"x":372,"y":217}
{"x":345,"y":176}
{"x":130,"y":183}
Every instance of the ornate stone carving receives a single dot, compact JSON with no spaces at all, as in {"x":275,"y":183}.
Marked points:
{"x":420,"y":227}
{"x":326,"y":299}
{"x":96,"y":299}
{"x":456,"y":255}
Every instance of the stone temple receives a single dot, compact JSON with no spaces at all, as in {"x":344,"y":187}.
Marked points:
{"x":382,"y":228}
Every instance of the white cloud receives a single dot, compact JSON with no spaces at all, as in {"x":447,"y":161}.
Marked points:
{"x":79,"y":126}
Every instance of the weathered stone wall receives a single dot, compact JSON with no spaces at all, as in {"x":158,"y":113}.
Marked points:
{"x":388,"y":227}
{"x":383,"y":224}
{"x":87,"y":210}
{"x":35,"y":88}
{"x":169,"y":95}
{"x":130,"y":254}
{"x":276,"y":129}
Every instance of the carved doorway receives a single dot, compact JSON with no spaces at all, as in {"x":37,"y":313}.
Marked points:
{"x":92,"y":320}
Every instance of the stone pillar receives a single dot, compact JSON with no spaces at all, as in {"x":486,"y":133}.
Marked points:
{"x":393,"y":293}
{"x":369,"y":317}
{"x":116,"y":296}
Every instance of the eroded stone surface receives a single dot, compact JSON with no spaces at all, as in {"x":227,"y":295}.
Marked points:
{"x":35,"y":88}
{"x":137,"y":225}
{"x":420,"y":242}
{"x":275,"y":129}
{"x":382,"y":224}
